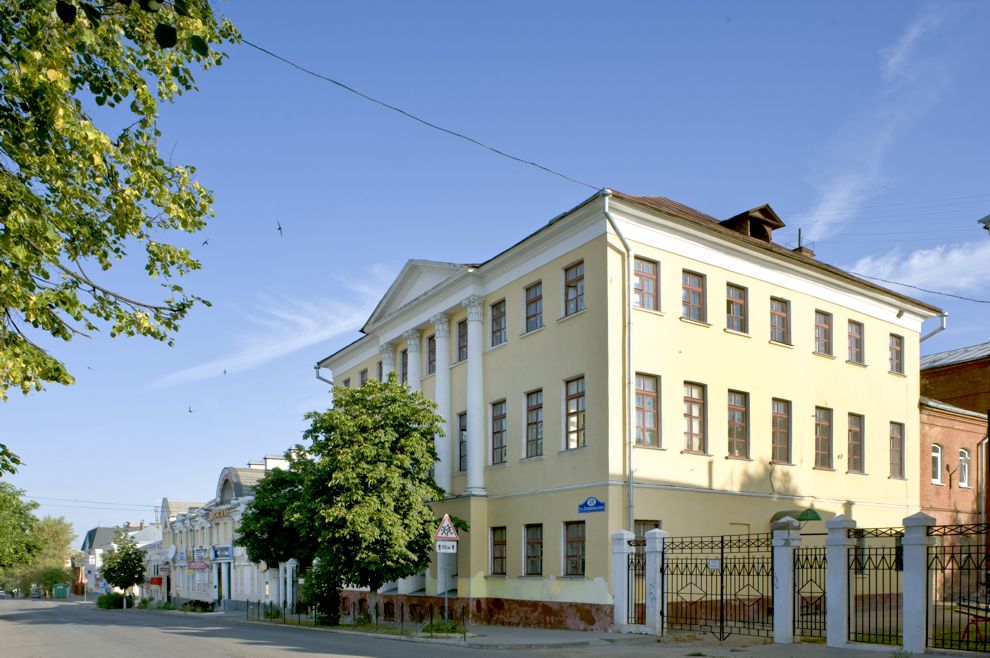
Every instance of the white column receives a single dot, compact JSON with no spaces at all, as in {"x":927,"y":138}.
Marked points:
{"x":387,"y":351}
{"x":414,"y":339}
{"x":441,"y":324}
{"x":654,"y":554}
{"x":837,"y":598}
{"x":916,"y":596}
{"x":475,"y":397}
{"x":620,"y":575}
{"x":786,"y":538}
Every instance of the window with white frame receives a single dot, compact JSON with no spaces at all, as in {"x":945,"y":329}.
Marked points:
{"x":963,"y":467}
{"x":575,"y":425}
{"x":574,"y":289}
{"x":936,"y":463}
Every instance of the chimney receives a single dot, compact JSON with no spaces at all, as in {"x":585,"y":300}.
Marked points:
{"x":803,"y":250}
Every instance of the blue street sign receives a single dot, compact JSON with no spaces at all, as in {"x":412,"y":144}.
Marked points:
{"x":591,"y":504}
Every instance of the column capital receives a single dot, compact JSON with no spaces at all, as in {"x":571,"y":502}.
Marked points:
{"x":441,"y":324}
{"x":413,"y":338}
{"x":387,"y":352}
{"x":474,"y":305}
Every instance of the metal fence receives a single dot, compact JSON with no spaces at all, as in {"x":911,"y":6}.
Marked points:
{"x":876,"y":585}
{"x":810,"y":577}
{"x":636,"y":587}
{"x":959,"y":588}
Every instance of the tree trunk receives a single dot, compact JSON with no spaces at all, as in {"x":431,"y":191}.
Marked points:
{"x":373,"y":601}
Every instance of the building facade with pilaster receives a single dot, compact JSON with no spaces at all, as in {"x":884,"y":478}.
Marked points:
{"x":636,"y":364}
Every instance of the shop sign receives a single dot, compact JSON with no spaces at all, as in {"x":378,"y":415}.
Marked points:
{"x":166,"y":568}
{"x":200,"y":553}
{"x":199,"y":566}
{"x":223,"y":552}
{"x":156,"y":580}
{"x":202,"y":577}
{"x":180,"y":555}
{"x":219,"y":514}
{"x":591,"y":504}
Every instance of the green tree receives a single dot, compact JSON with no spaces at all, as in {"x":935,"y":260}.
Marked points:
{"x":123,"y":566}
{"x":277,"y":525}
{"x":368,"y":482}
{"x":82,"y":182}
{"x":19,"y":541}
{"x":54,"y":539}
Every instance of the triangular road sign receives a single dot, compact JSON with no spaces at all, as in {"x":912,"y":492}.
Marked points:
{"x":446,"y":530}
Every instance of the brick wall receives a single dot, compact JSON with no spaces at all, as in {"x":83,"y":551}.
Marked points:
{"x":965,"y":385}
{"x":949,"y":502}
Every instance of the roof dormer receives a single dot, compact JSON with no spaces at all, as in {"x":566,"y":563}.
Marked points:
{"x":758,"y":223}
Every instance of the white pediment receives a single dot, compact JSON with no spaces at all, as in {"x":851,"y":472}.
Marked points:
{"x":416,"y":279}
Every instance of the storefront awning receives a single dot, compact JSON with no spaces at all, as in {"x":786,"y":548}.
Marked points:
{"x":802,"y":515}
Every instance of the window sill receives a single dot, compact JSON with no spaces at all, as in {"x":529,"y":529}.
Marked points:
{"x":855,"y":472}
{"x":789,"y":346}
{"x":897,"y":477}
{"x":696,"y":452}
{"x":496,"y":576}
{"x":531,"y":575}
{"x":651,"y":311}
{"x":457,"y":363}
{"x":534,"y":458}
{"x":965,"y":486}
{"x":569,"y":451}
{"x":698,"y":323}
{"x":643,"y":446}
{"x":782,"y":463}
{"x":532,"y":331}
{"x":428,"y":375}
{"x":573,"y":315}
{"x":824,"y":468}
{"x":858,"y":364}
{"x":896,"y":374}
{"x":823,"y":354}
{"x":582,"y":577}
{"x":743,"y":334}
{"x":495,"y":347}
{"x":496,"y":465}
{"x":736,"y":458}
{"x":938,"y":484}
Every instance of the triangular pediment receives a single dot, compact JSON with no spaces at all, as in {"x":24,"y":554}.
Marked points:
{"x":416,"y":279}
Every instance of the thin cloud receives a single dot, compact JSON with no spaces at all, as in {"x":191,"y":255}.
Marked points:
{"x":960,"y":268}
{"x":897,"y":57}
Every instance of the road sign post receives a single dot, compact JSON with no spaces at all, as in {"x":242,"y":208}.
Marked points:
{"x":446,"y":543}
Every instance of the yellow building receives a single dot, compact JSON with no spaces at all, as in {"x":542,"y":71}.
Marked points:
{"x":634,"y":364}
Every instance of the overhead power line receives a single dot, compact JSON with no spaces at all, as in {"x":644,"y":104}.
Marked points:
{"x":932,"y":292}
{"x":418,"y":119}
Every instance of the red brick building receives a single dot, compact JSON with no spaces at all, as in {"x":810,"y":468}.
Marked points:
{"x":952,"y":478}
{"x":959,"y":377}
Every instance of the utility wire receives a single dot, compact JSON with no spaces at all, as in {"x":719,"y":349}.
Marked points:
{"x":409,"y":115}
{"x":933,"y":292}
{"x":95,"y":502}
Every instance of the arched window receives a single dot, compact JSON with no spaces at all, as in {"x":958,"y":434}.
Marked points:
{"x":936,"y":463}
{"x":964,"y":468}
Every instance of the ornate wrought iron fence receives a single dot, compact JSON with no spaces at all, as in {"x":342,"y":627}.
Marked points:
{"x":810,"y":577}
{"x":636,"y":585}
{"x":720,"y":584}
{"x":876,"y":585}
{"x":959,"y":588}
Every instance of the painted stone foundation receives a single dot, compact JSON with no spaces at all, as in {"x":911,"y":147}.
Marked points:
{"x":501,"y":612}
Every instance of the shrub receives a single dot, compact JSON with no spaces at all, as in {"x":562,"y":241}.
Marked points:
{"x":144,"y":603}
{"x":113,"y":600}
{"x":363,"y":619}
{"x":197,"y":606}
{"x":166,"y":605}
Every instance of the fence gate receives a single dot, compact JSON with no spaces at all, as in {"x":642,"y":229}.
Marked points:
{"x":636,"y":583}
{"x":959,"y":587}
{"x":810,"y":576}
{"x":876,"y":585}
{"x":721,"y":585}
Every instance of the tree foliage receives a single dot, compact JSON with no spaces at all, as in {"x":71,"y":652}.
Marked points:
{"x":19,"y":542}
{"x":277,"y":525}
{"x":82,"y":182}
{"x":123,"y":566}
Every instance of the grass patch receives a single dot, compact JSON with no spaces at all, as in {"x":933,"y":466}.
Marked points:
{"x":813,"y":640}
{"x":695,"y":653}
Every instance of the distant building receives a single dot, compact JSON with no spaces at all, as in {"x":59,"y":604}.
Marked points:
{"x":959,"y":377}
{"x":98,"y":541}
{"x":953,"y":476}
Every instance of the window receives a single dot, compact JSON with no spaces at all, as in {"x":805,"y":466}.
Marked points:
{"x":347,"y":383}
{"x":963,"y":468}
{"x":896,"y":354}
{"x":823,"y":437}
{"x":574,"y":548}
{"x":381,"y":372}
{"x":404,"y":367}
{"x":534,"y":424}
{"x":735,"y":308}
{"x":462,"y":341}
{"x":575,"y":413}
{"x":645,"y":284}
{"x":647,"y":425}
{"x":534,"y":307}
{"x":856,"y":341}
{"x":897,"y":450}
{"x":462,"y":441}
{"x":498,"y":551}
{"x":363,"y":377}
{"x":431,"y":355}
{"x":856,"y":449}
{"x":694,"y":418}
{"x":640,"y":528}
{"x":574,"y":289}
{"x":823,"y":332}
{"x":738,"y":419}
{"x":534,"y":549}
{"x":780,"y":321}
{"x":498,"y":432}
{"x":498,"y":323}
{"x":936,"y":464}
{"x":781,"y":417}
{"x":693,"y":296}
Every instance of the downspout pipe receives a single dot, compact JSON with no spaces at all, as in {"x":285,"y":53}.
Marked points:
{"x":630,"y":382}
{"x":316,"y":369}
{"x":944,"y":317}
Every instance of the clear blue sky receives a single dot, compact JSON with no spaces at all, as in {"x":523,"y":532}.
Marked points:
{"x":864,"y":123}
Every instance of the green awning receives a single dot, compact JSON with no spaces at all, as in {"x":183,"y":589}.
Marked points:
{"x":802,"y":515}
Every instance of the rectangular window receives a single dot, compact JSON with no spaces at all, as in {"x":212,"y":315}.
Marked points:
{"x":381,"y":372}
{"x":856,"y":450}
{"x":498,"y":432}
{"x":640,"y":528}
{"x":534,"y":424}
{"x":498,"y":551}
{"x":462,"y":441}
{"x":897,"y":450}
{"x":823,"y":332}
{"x":462,"y":341}
{"x":347,"y":383}
{"x":780,"y":321}
{"x":498,"y":323}
{"x":693,"y":296}
{"x":736,"y":308}
{"x":896,"y":354}
{"x":823,"y":437}
{"x":963,"y":467}
{"x":856,"y":341}
{"x":574,"y":548}
{"x":645,"y":284}
{"x":694,"y":418}
{"x":738,"y":419}
{"x":575,"y":413}
{"x":647,"y":412}
{"x":574,"y":289}
{"x":534,"y":307}
{"x":404,"y":366}
{"x":781,"y":416}
{"x":534,"y":549}
{"x":363,"y":377}
{"x":431,"y":355}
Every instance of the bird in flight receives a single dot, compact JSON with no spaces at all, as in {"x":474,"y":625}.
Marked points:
{"x":225,"y":371}
{"x":190,"y":409}
{"x":279,"y":225}
{"x":206,"y":242}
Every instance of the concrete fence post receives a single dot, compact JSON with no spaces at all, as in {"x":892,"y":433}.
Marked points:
{"x":837,"y":587}
{"x":915,"y":598}
{"x":786,"y":538}
{"x":654,"y":554}
{"x":620,"y":581}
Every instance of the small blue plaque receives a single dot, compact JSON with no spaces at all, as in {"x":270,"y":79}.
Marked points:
{"x":591,"y":504}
